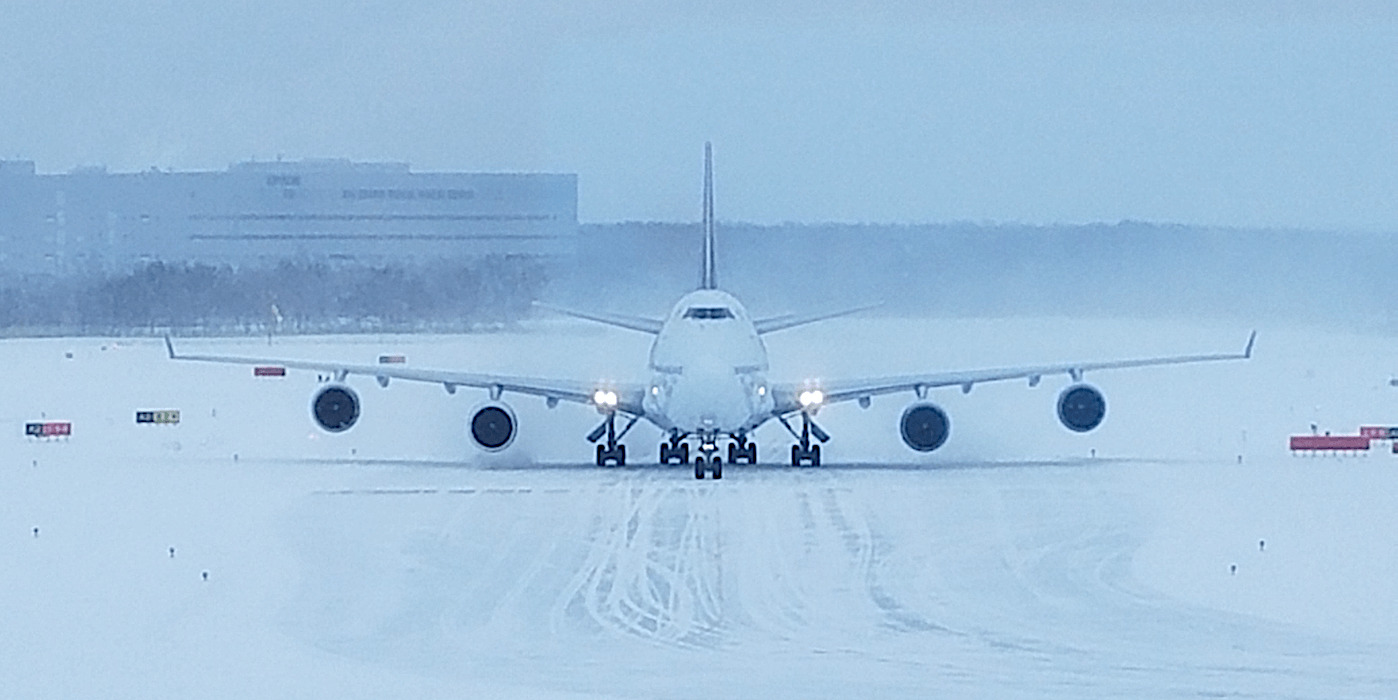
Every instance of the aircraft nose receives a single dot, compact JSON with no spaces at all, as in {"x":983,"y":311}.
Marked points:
{"x":709,"y":401}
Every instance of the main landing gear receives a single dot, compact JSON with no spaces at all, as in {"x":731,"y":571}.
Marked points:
{"x":803,"y":452}
{"x":674,"y":450}
{"x":611,"y":451}
{"x":742,"y":451}
{"x":707,"y":462}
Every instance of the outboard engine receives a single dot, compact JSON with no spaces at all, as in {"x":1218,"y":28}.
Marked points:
{"x":924,"y":426}
{"x":335,"y":408}
{"x":1081,"y":408}
{"x":493,"y":427}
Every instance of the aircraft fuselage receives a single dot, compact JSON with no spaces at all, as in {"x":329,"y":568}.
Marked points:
{"x":708,"y":369}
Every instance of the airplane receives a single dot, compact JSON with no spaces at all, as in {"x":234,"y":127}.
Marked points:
{"x":708,"y":383}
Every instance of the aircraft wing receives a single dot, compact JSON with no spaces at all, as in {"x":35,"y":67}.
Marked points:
{"x":780,"y":323}
{"x":628,"y":395}
{"x":788,"y":396}
{"x":635,"y":323}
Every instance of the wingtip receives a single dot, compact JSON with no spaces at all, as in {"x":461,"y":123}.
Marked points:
{"x":169,"y":347}
{"x":1247,"y":351}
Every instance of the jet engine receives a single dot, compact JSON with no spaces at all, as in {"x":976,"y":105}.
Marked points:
{"x":493,"y":427}
{"x":924,"y":426}
{"x":1081,"y":408}
{"x":335,"y":408}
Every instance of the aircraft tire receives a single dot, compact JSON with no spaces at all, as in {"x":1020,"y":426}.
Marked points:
{"x":800,"y":457}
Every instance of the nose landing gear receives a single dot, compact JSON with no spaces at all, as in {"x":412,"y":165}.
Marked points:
{"x":708,"y":459}
{"x":714,"y":465}
{"x":708,"y":462}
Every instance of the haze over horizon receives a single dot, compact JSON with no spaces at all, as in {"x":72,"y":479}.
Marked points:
{"x":1260,"y":114}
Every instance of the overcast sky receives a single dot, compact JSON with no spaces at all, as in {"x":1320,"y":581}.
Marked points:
{"x":1260,"y":114}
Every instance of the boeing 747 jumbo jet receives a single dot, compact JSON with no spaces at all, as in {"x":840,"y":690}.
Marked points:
{"x":708,"y":384}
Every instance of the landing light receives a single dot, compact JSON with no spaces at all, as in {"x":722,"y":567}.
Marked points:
{"x":812,"y":398}
{"x":604,"y":398}
{"x":762,"y":391}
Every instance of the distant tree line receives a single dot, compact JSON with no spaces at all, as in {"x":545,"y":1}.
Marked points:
{"x":290,"y":297}
{"x":1128,"y":268}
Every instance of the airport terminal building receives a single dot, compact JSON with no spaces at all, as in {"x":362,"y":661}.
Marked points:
{"x":337,"y":211}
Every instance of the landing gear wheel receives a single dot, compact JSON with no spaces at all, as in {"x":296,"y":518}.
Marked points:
{"x":610,"y":451}
{"x":803,"y":452}
{"x":616,"y":455}
{"x":699,"y":467}
{"x":676,"y":453}
{"x":716,"y":467}
{"x":744,"y":452}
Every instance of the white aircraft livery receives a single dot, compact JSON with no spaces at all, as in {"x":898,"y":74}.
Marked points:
{"x":708,"y":384}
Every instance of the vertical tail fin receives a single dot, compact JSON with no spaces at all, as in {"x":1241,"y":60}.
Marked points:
{"x":709,"y":280}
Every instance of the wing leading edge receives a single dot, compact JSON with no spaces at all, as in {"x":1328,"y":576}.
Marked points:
{"x":847,"y":390}
{"x":629,"y":396}
{"x":634,"y":323}
{"x":781,"y":323}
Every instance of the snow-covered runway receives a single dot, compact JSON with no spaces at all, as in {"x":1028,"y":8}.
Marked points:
{"x":986,"y":582}
{"x":394,"y":562}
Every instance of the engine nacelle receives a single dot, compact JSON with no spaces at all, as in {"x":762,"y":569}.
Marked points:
{"x":924,"y":426}
{"x":335,"y":408}
{"x":493,"y":427}
{"x":1081,"y":408}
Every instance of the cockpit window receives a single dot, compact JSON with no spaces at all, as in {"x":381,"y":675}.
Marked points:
{"x":708,"y":312}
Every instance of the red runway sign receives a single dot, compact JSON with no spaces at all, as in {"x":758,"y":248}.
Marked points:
{"x":49,"y":429}
{"x":1329,"y":442}
{"x":1378,"y":432}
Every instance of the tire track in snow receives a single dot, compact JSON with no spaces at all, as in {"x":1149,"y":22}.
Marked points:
{"x":771,"y":536}
{"x":825,"y":576}
{"x":653,"y":566}
{"x":869,"y":551}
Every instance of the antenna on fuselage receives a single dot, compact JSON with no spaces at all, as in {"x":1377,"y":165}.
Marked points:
{"x":709,"y":279}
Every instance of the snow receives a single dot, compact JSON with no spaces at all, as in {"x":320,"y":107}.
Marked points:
{"x":395,"y":560}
